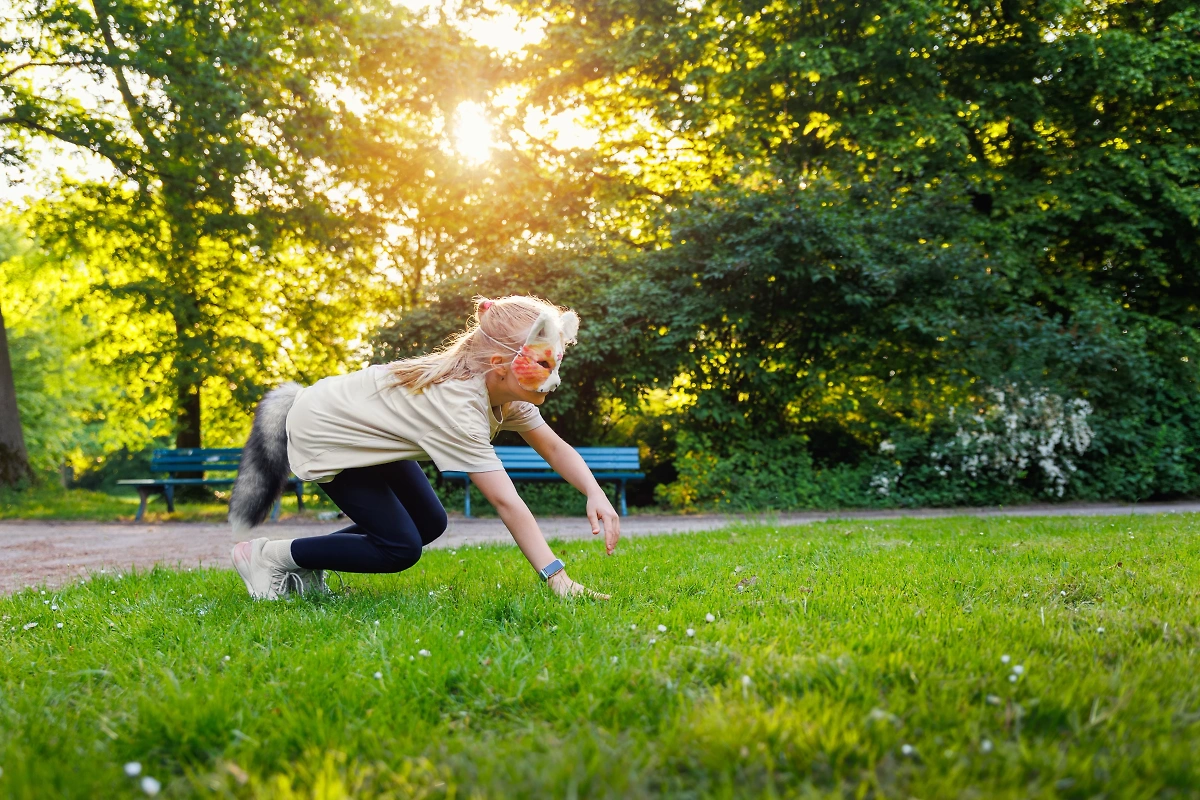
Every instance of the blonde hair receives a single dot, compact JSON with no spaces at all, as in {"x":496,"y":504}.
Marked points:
{"x":495,"y":326}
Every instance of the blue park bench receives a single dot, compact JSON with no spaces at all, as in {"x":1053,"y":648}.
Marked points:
{"x":618,"y":464}
{"x":201,"y":460}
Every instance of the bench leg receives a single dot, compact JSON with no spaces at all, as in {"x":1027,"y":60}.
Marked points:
{"x":275,"y":509}
{"x":299,"y":495}
{"x":467,"y":494}
{"x":144,"y":495}
{"x":621,"y":494}
{"x":169,"y":491}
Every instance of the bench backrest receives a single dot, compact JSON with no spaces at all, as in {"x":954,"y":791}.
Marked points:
{"x":196,"y":459}
{"x":598,"y":459}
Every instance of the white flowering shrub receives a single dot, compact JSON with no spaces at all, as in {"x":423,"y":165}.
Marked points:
{"x":1018,"y":432}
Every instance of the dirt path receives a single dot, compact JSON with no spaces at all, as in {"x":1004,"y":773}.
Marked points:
{"x":51,"y":553}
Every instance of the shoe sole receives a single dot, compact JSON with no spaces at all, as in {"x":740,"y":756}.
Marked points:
{"x":242,"y":565}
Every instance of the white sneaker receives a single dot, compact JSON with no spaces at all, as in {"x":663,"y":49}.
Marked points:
{"x":312,"y":580}
{"x":267,"y":568}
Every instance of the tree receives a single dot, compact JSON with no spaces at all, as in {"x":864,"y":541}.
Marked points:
{"x":250,"y":145}
{"x":14,"y":461}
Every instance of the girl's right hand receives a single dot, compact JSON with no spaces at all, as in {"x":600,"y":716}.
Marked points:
{"x":563,"y":586}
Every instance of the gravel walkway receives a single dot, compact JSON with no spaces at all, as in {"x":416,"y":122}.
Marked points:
{"x":51,"y":553}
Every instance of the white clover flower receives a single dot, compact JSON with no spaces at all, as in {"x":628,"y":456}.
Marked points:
{"x":376,"y":623}
{"x":1018,"y":669}
{"x":907,"y":749}
{"x":59,"y":625}
{"x":461,"y":634}
{"x":412,"y":658}
{"x":150,"y":786}
{"x":633,"y":626}
{"x":133,"y":768}
{"x":226,"y":658}
{"x":691,"y":632}
{"x":614,"y":659}
{"x":986,"y":746}
{"x":424,"y":653}
{"x":1012,"y":678}
{"x":746,"y":680}
{"x":53,"y":607}
{"x":1004,"y":659}
{"x":662,"y":628}
{"x":29,"y":625}
{"x":653,"y":640}
{"x":1063,"y":593}
{"x":709,"y":618}
{"x":378,"y":676}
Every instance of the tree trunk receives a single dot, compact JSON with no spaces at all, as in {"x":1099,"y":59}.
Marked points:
{"x":14,"y":460}
{"x":187,"y":434}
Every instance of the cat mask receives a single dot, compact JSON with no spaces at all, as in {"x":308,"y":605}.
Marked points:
{"x":536,"y":363}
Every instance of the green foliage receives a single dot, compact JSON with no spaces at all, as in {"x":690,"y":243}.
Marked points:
{"x":853,"y":642}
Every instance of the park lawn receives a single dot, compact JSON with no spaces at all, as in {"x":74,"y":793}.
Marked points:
{"x":49,"y":501}
{"x":858,"y":659}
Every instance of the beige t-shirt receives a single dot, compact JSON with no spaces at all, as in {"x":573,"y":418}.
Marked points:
{"x":361,"y":419}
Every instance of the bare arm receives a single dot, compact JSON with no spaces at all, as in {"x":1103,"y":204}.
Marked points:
{"x":563,"y":459}
{"x":498,"y":488}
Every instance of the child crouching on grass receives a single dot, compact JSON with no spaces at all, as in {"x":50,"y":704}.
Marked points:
{"x":360,"y":436}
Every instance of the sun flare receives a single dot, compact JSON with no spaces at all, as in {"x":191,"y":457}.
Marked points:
{"x":473,"y":132}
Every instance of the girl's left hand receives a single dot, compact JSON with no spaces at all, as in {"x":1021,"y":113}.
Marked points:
{"x":599,"y":510}
{"x":563,"y":586}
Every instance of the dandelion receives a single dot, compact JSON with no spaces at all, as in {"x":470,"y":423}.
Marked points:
{"x":709,"y":618}
{"x":662,"y":628}
{"x":29,"y":625}
{"x":150,"y":786}
{"x":691,"y":632}
{"x":378,"y":676}
{"x":424,"y":653}
{"x":907,"y":749}
{"x":986,"y":746}
{"x":133,"y":768}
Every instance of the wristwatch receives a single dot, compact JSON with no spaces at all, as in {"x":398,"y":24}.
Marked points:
{"x":553,"y":568}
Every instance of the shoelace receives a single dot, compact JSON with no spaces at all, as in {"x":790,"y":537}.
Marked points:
{"x":286,"y":581}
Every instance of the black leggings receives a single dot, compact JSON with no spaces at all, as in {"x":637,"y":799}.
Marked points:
{"x":395,"y":514}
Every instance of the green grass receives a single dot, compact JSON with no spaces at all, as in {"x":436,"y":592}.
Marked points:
{"x":855,"y":641}
{"x":47,"y":501}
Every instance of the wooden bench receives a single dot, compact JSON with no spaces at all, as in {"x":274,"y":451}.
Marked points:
{"x":618,"y":464}
{"x":201,"y":460}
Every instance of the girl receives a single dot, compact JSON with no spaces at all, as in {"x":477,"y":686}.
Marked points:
{"x":360,"y":435}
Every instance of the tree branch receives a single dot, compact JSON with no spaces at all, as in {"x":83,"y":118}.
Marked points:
{"x":6,"y":75}
{"x":136,"y":114}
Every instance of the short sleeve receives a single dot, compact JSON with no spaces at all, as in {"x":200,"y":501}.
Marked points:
{"x":460,"y":449}
{"x":519,"y":416}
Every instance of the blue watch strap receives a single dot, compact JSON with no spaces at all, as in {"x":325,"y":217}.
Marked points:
{"x":551,"y":569}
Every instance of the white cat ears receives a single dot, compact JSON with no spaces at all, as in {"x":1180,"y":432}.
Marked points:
{"x":554,"y":329}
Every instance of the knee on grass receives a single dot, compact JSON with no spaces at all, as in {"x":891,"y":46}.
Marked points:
{"x":399,"y":556}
